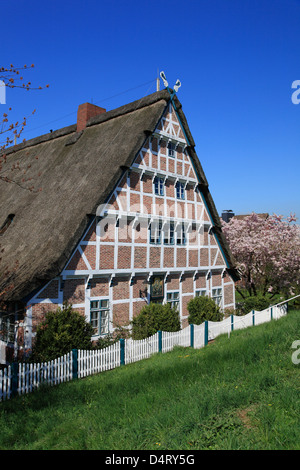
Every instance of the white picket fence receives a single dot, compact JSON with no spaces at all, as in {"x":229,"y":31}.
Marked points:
{"x":21,"y":378}
{"x":99,"y":360}
{"x":136,"y":350}
{"x":252,"y":318}
{"x":28,"y":377}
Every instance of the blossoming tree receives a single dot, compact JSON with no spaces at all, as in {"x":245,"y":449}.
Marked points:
{"x":15,"y":173}
{"x":267,"y":251}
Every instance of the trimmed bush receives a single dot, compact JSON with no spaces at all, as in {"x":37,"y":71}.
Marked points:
{"x":203,"y":308}
{"x":59,"y":333}
{"x":155,"y":317}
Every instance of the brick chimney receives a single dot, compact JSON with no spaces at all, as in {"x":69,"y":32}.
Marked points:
{"x":85,"y":112}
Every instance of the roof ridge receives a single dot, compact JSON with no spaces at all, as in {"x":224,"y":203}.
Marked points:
{"x":120,"y":111}
{"x":146,"y":100}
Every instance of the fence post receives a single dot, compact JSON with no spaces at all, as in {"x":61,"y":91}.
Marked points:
{"x":253,"y":317}
{"x":75,"y":363}
{"x":232,"y":326}
{"x":192,"y":335}
{"x":159,"y":341}
{"x":205,"y":332}
{"x":14,"y":378}
{"x":122,"y":352}
{"x":271,"y":313}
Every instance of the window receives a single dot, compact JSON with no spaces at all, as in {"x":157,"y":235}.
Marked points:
{"x":180,"y":190}
{"x":180,"y":235}
{"x":169,"y":233}
{"x":171,"y":149}
{"x":7,"y":328}
{"x":200,"y":293}
{"x":100,"y":316}
{"x":158,"y":186}
{"x":217,"y":296}
{"x":155,"y":232}
{"x":173,"y":300}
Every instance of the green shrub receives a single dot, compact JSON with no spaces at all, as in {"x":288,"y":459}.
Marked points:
{"x":111,"y":338}
{"x":60,"y":332}
{"x":155,"y":317}
{"x":203,"y":308}
{"x":257,"y":303}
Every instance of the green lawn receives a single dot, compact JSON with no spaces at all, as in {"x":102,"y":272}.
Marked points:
{"x":241,"y":392}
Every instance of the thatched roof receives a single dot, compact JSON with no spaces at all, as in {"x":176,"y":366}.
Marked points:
{"x":77,"y":172}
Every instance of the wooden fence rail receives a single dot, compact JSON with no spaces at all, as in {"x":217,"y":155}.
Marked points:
{"x":21,"y":378}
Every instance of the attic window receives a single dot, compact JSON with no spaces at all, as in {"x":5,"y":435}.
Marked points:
{"x":171,"y":149}
{"x":7,"y":223}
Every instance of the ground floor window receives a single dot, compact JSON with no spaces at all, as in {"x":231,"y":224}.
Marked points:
{"x":173,"y":300}
{"x":200,"y":292}
{"x":7,"y":328}
{"x":217,"y":296}
{"x":99,"y":310}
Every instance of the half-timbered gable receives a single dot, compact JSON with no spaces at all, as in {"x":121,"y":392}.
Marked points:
{"x":153,"y":232}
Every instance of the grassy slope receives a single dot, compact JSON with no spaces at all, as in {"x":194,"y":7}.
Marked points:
{"x":237,"y":393}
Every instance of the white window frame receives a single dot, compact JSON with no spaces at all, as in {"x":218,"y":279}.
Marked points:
{"x":169,"y":233}
{"x":155,"y":232}
{"x":180,"y":190}
{"x":173,"y":298}
{"x":217,"y":295}
{"x":7,"y":327}
{"x":158,"y":186}
{"x":171,"y":149}
{"x":200,"y":292}
{"x":101,"y":329}
{"x":180,"y":234}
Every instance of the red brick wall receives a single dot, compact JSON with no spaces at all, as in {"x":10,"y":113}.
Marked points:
{"x":39,"y":311}
{"x":120,"y":288}
{"x":99,"y":287}
{"x":121,"y":314}
{"x":51,"y":291}
{"x":107,"y":257}
{"x":140,"y":257}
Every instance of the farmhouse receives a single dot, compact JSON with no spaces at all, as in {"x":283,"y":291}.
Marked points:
{"x":120,"y":215}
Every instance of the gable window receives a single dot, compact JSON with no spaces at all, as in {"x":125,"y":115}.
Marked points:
{"x":169,"y":233}
{"x":159,"y":186}
{"x":171,"y":149}
{"x":180,"y":190}
{"x":99,"y":311}
{"x":155,"y":232}
{"x":180,"y":235}
{"x":217,"y":296}
{"x":173,"y":300}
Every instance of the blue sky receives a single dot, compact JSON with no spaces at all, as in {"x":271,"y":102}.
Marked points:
{"x":236,"y":60}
